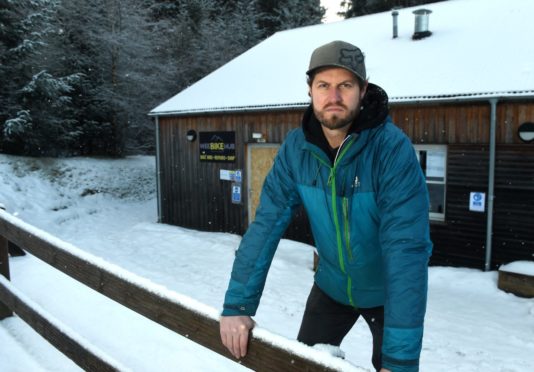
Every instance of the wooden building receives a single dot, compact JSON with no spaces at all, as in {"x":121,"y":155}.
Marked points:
{"x":462,"y":94}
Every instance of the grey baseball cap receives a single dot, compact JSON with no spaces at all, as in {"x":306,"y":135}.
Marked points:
{"x":338,"y":54}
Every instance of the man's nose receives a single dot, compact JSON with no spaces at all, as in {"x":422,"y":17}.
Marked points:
{"x":334,"y":95}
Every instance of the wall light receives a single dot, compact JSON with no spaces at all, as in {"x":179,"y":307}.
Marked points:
{"x":526,"y":132}
{"x":191,"y":135}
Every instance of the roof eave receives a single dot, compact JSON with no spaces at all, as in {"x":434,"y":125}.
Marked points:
{"x":231,"y":109}
{"x":405,"y":100}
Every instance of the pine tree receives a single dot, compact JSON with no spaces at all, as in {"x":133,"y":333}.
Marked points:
{"x":36,"y":105}
{"x":79,"y":76}
{"x":278,"y":15}
{"x":113,"y":42}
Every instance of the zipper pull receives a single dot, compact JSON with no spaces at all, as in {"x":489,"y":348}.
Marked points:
{"x":330,"y":176}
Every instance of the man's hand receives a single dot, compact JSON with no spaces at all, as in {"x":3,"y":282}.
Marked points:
{"x":384,"y":370}
{"x":234,"y":333}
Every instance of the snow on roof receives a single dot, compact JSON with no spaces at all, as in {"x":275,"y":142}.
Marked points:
{"x":478,"y":48}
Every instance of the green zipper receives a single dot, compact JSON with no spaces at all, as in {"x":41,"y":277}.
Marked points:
{"x":349,"y":290}
{"x":332,"y":178}
{"x":339,"y":236}
{"x":347,"y":226}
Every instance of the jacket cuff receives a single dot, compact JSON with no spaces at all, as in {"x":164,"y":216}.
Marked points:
{"x":401,"y":349}
{"x":233,"y":310}
{"x":395,"y":365}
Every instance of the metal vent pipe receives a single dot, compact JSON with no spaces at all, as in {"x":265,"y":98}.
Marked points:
{"x":421,"y":24}
{"x":395,"y":16}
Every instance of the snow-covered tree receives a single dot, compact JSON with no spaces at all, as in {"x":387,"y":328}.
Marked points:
{"x":198,"y":36}
{"x":113,"y":42}
{"x":79,"y":76}
{"x":277,"y":15}
{"x":36,"y":115}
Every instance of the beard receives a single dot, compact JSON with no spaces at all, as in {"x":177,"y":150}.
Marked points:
{"x":336,"y":120}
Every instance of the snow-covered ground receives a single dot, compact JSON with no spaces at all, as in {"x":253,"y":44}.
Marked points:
{"x":108,"y":209}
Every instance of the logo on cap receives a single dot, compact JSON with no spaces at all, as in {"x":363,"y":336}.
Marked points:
{"x":352,"y":58}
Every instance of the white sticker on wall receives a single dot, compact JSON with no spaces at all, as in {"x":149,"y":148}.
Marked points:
{"x":225,"y":175}
{"x":477,"y":201}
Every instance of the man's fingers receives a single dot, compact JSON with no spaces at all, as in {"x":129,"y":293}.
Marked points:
{"x":243,"y":341}
{"x":236,"y":348}
{"x":235,"y":334}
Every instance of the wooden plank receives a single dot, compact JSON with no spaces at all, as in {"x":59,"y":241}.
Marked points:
{"x":261,"y":157}
{"x":197,"y":327}
{"x":89,"y":360}
{"x":5,"y":312}
{"x":519,"y":284}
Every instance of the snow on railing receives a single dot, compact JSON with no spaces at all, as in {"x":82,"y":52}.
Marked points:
{"x":183,"y":315}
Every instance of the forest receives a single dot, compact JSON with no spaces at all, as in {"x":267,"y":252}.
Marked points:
{"x":78,"y":77}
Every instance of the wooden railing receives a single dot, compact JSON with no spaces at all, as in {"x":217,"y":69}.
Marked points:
{"x":153,"y":303}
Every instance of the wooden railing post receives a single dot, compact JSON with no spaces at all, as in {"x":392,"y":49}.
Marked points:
{"x":4,"y":270}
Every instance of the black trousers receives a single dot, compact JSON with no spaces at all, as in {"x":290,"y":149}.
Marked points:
{"x":326,"y":321}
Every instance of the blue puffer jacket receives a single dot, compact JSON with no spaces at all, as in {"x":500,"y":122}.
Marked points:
{"x":368,"y":210}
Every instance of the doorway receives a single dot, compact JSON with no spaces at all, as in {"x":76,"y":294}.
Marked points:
{"x":260,"y":158}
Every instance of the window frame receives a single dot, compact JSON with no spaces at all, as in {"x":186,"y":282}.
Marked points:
{"x":435,"y":216}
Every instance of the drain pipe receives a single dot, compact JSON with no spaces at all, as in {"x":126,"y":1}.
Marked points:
{"x":158,"y":173}
{"x":491,"y":182}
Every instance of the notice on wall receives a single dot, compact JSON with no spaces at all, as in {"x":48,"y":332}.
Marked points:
{"x":236,"y":193}
{"x":217,"y":147}
{"x":477,"y":202}
{"x":231,"y":175}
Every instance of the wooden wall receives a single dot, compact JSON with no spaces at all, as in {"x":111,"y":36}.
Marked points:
{"x":192,"y":194}
{"x":194,"y":197}
{"x":513,"y":224}
{"x":461,"y":123}
{"x":461,"y":239}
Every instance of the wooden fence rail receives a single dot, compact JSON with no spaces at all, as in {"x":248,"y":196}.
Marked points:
{"x":69,"y":343}
{"x":165,"y":310}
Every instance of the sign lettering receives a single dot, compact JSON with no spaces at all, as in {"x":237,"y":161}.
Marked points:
{"x":218,"y":147}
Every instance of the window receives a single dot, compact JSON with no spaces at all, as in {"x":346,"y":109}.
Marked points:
{"x":433,"y":160}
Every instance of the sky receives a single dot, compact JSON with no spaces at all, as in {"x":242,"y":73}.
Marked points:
{"x":332,"y":7}
{"x":105,"y":211}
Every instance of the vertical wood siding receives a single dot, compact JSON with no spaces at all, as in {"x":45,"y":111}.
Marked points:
{"x":461,"y":239}
{"x":513,"y":225}
{"x":193,"y":196}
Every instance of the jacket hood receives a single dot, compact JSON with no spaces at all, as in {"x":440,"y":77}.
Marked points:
{"x":374,"y":112}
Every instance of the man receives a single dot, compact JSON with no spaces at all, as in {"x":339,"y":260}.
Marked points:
{"x":358,"y":178}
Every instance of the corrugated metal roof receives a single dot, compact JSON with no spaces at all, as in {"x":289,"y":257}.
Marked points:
{"x":478,"y":49}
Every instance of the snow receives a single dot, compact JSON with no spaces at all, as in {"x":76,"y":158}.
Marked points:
{"x":519,"y":267}
{"x":478,"y":49}
{"x":58,"y":325}
{"x":105,"y":211}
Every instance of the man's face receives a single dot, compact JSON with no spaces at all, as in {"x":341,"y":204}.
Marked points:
{"x":336,"y":97}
